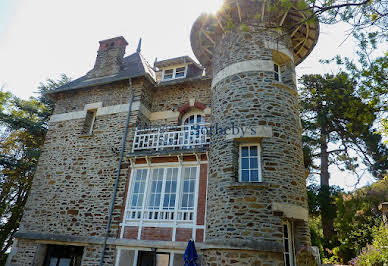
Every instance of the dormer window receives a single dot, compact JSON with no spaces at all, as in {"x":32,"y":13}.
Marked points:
{"x":168,"y":74}
{"x":180,"y":72}
{"x":174,"y":73}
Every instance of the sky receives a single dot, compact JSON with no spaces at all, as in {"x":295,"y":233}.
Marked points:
{"x":41,"y":39}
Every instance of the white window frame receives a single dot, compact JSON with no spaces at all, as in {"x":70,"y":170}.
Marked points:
{"x":249,"y":169}
{"x":173,"y":253}
{"x":278,"y":73}
{"x":196,"y":114}
{"x":174,"y":224}
{"x":174,"y":73}
{"x":291,"y":246}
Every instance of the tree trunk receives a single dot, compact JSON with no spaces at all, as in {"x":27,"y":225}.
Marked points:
{"x":327,"y":217}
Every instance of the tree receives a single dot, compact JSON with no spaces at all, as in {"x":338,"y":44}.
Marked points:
{"x":338,"y":128}
{"x":24,"y":126}
{"x":360,"y":14}
{"x":356,"y":213}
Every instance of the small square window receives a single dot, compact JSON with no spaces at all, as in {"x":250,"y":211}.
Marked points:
{"x":250,"y":163}
{"x":276,"y":70}
{"x":174,"y":73}
{"x":168,"y":74}
{"x":180,"y":72}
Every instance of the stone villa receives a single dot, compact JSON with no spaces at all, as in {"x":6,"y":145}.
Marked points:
{"x":159,"y":154}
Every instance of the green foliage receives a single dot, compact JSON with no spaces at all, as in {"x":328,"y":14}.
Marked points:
{"x":332,"y":111}
{"x":244,"y":27}
{"x":356,"y":214}
{"x":23,"y":128}
{"x":377,"y":253}
{"x":371,"y":76}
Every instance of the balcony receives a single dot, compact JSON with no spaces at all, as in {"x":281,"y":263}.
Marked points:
{"x":171,"y":138}
{"x":186,"y":216}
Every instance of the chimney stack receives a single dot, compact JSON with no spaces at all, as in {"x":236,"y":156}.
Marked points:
{"x":109,"y":57}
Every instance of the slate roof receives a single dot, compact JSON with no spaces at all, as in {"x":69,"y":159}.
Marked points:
{"x":134,"y":65}
{"x":175,"y":61}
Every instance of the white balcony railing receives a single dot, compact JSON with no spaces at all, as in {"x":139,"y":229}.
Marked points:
{"x":160,"y":215}
{"x":172,"y":137}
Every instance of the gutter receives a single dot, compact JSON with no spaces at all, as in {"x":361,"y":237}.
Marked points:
{"x":118,"y":174}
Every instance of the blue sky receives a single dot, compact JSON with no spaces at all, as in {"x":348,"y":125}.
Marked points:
{"x":41,"y":39}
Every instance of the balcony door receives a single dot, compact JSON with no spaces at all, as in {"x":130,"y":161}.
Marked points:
{"x":195,"y":130}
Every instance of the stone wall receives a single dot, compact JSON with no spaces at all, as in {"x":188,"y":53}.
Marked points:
{"x":73,"y":185}
{"x":240,"y":214}
{"x":171,"y":97}
{"x":220,"y":257}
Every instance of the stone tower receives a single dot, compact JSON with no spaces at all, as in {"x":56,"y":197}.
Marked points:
{"x":257,"y":204}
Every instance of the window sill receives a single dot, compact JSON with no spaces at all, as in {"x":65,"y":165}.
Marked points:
{"x":85,"y":136}
{"x":164,"y":80}
{"x":246,"y":185}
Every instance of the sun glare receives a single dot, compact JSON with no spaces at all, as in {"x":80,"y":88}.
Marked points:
{"x":211,"y":6}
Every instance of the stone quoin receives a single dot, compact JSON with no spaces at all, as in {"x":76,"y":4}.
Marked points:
{"x":212,"y":152}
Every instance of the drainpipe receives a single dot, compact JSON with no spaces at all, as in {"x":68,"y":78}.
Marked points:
{"x":118,"y":173}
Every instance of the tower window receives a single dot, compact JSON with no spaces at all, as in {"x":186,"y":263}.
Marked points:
{"x":250,"y":163}
{"x":288,"y":244}
{"x":276,"y":70}
{"x":89,"y":122}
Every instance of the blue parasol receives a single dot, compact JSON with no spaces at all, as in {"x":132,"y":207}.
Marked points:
{"x":190,"y":257}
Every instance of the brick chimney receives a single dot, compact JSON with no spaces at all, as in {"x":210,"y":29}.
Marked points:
{"x":109,"y":57}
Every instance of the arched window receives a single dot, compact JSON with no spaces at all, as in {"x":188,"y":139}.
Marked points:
{"x":194,"y":127}
{"x":193,"y":118}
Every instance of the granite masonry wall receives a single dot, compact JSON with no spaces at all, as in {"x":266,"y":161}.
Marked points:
{"x":73,"y":185}
{"x":240,"y":215}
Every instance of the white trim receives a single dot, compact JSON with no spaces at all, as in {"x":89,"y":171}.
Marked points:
{"x":118,"y":257}
{"x":258,"y":161}
{"x":135,"y":257}
{"x":174,"y":72}
{"x":250,"y":132}
{"x":240,"y":67}
{"x":68,"y":116}
{"x":291,"y":245}
{"x":170,"y":252}
{"x":291,"y":211}
{"x":175,"y":223}
{"x":90,"y":106}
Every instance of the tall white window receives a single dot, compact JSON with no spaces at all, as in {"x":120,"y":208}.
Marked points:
{"x":163,"y":194}
{"x":138,"y":189}
{"x":276,"y":70}
{"x":250,"y":163}
{"x":288,"y":244}
{"x":170,"y":189}
{"x":188,"y":188}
